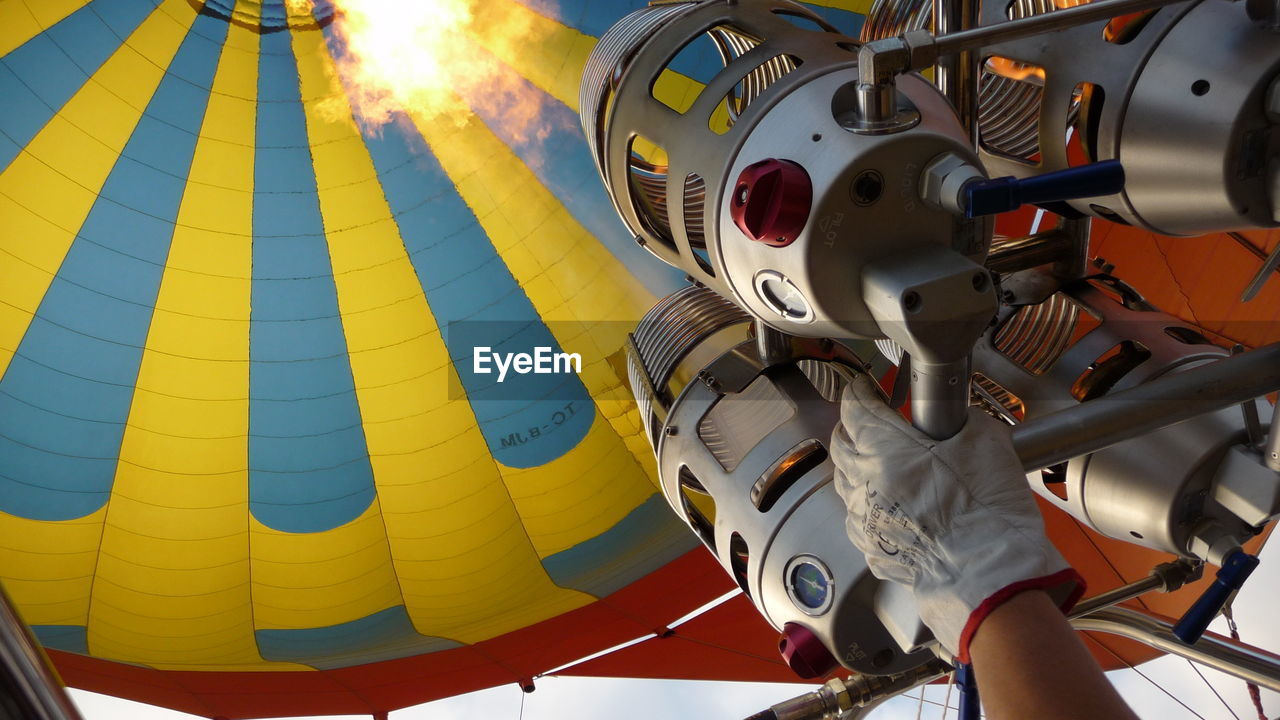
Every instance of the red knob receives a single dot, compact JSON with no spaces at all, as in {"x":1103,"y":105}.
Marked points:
{"x":770,"y":202}
{"x":803,"y":652}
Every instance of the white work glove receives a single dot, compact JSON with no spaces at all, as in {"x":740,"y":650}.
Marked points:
{"x":954,"y":519}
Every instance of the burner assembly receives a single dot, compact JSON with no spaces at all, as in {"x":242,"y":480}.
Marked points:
{"x":835,"y":212}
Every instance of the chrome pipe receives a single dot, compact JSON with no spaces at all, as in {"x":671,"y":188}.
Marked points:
{"x":1165,"y":577}
{"x":841,"y":698}
{"x":1271,"y":451}
{"x":1246,"y":662}
{"x":1116,"y":596}
{"x":1116,"y":417}
{"x":940,"y":396}
{"x":957,"y":75}
{"x":1044,"y":23}
{"x":1030,"y":251}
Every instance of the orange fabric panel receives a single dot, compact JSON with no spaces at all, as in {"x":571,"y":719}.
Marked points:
{"x":127,"y":681}
{"x":400,"y":683}
{"x":642,"y":607}
{"x":700,"y":580}
{"x":729,"y":642}
{"x":1198,"y":279}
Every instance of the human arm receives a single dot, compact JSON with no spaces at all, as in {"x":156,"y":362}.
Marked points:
{"x":955,"y":521}
{"x":1030,"y":663}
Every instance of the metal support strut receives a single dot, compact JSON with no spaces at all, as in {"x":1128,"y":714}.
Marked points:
{"x":29,"y":688}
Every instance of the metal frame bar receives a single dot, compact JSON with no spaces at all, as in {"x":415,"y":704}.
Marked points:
{"x":1246,"y":662}
{"x":1116,"y":417}
{"x":37,"y":692}
{"x":977,"y":38}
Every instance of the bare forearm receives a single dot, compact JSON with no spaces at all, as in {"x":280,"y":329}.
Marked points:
{"x":1030,"y":664}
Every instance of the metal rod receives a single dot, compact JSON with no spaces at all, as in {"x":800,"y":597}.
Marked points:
{"x":1116,"y":596}
{"x":956,"y":75}
{"x":853,"y":692}
{"x":38,"y":692}
{"x":1269,"y":265}
{"x":1031,"y":251}
{"x":940,"y":396}
{"x":1271,"y":451}
{"x":1246,"y":662}
{"x":1076,"y":264}
{"x":773,"y":346}
{"x":1114,"y":418}
{"x":1044,"y":23}
{"x":1165,"y":577}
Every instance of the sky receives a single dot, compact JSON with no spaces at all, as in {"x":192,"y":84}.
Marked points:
{"x":574,"y":698}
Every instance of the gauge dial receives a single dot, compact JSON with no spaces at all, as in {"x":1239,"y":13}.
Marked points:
{"x":809,"y":584}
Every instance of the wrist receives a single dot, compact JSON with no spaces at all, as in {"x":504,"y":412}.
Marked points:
{"x":1061,"y":590}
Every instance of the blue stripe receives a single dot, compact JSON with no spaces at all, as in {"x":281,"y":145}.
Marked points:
{"x":527,"y":420}
{"x":66,"y":395}
{"x":592,"y":17}
{"x":648,"y":538}
{"x":69,"y":638}
{"x":847,"y":22}
{"x":384,"y":635}
{"x":557,"y":153}
{"x":39,"y":77}
{"x":308,"y":462}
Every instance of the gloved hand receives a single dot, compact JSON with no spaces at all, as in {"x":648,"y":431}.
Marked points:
{"x":952,"y":519}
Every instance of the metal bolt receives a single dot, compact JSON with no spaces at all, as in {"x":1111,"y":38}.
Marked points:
{"x":671,"y":430}
{"x":911,"y":301}
{"x":867,"y":187}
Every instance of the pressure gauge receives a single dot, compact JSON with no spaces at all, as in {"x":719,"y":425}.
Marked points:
{"x":809,"y":584}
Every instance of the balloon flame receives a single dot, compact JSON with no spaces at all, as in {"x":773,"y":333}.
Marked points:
{"x":432,"y":59}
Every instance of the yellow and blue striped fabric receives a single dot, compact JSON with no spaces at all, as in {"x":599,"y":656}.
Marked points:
{"x":234,"y":432}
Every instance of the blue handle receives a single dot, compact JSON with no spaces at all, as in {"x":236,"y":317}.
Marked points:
{"x":988,"y":197}
{"x":1236,"y":568}
{"x":970,"y":705}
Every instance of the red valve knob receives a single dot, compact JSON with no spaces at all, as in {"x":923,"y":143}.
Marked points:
{"x":770,"y":202}
{"x":803,"y":652}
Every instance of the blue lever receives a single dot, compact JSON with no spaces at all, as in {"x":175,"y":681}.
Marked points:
{"x":988,"y":197}
{"x":970,"y":705}
{"x":1236,"y":568}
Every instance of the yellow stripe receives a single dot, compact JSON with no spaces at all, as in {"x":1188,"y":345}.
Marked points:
{"x":40,"y":210}
{"x":172,"y":586}
{"x":589,"y":300}
{"x":548,"y":54}
{"x":46,"y":193}
{"x":552,"y":56}
{"x":47,"y":567}
{"x":319,"y":579}
{"x":465,"y":569}
{"x":21,"y":20}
